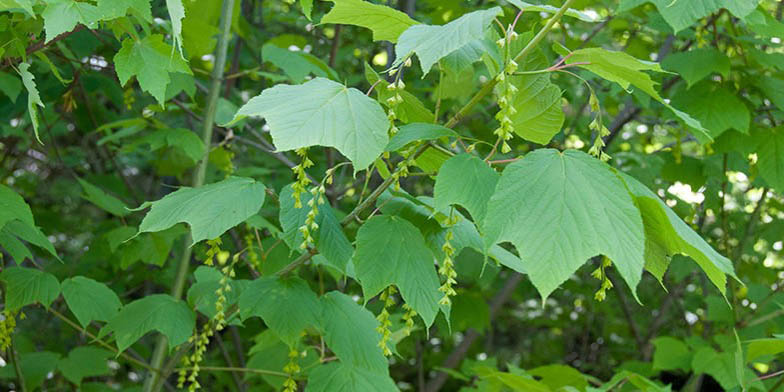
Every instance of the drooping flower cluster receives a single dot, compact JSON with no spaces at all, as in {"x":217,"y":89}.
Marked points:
{"x":408,"y":318}
{"x":291,"y":368}
{"x":393,"y":102}
{"x":384,"y":321}
{"x":7,"y":326}
{"x":318,"y":194}
{"x":253,"y":254}
{"x":601,"y":274}
{"x":217,"y":323}
{"x":505,"y":94}
{"x":301,"y":184}
{"x":447,"y":268}
{"x":596,"y":125}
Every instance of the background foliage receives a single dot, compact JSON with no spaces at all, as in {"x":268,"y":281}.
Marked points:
{"x":407,"y":195}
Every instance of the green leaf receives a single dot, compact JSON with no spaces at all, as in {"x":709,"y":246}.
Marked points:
{"x":176,"y":14}
{"x":33,"y":98}
{"x":666,"y":234}
{"x":386,"y":23}
{"x":183,"y":139}
{"x":514,"y":382}
{"x":13,"y":206}
{"x":35,"y":367}
{"x":341,"y":377}
{"x":90,"y":300}
{"x":350,"y":332}
{"x":763,"y":347}
{"x":330,"y":239}
{"x":113,"y":9}
{"x":322,"y":113}
{"x":773,"y":88}
{"x":30,"y":233}
{"x":210,"y":210}
{"x":61,"y":16}
{"x":538,"y":102}
{"x":717,"y":108}
{"x":770,"y":155}
{"x":558,"y":377}
{"x":150,"y":60}
{"x":307,"y":8}
{"x":287,"y":306}
{"x":417,"y":132}
{"x":296,"y":64}
{"x":697,"y":64}
{"x":103,"y":200}
{"x":682,"y":14}
{"x":561,"y":208}
{"x":671,"y":354}
{"x":83,"y":362}
{"x":25,"y":286}
{"x":159,"y":312}
{"x":523,"y":6}
{"x":26,"y":5}
{"x":10,"y":85}
{"x":149,"y":248}
{"x":391,"y":251}
{"x":432,"y":43}
{"x":625,"y":70}
{"x":468,"y":181}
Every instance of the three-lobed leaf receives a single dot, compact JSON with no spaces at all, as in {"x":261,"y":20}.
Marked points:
{"x":392,"y":251}
{"x":322,"y":112}
{"x":561,"y":208}
{"x":151,"y":60}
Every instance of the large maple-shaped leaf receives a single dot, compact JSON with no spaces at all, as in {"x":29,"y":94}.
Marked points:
{"x":561,"y":208}
{"x":626,"y":71}
{"x":210,"y":210}
{"x":666,"y":234}
{"x":157,"y":312}
{"x":322,"y":112}
{"x":432,"y":43}
{"x":386,"y":23}
{"x":392,"y":251}
{"x":150,"y":60}
{"x":287,"y":306}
